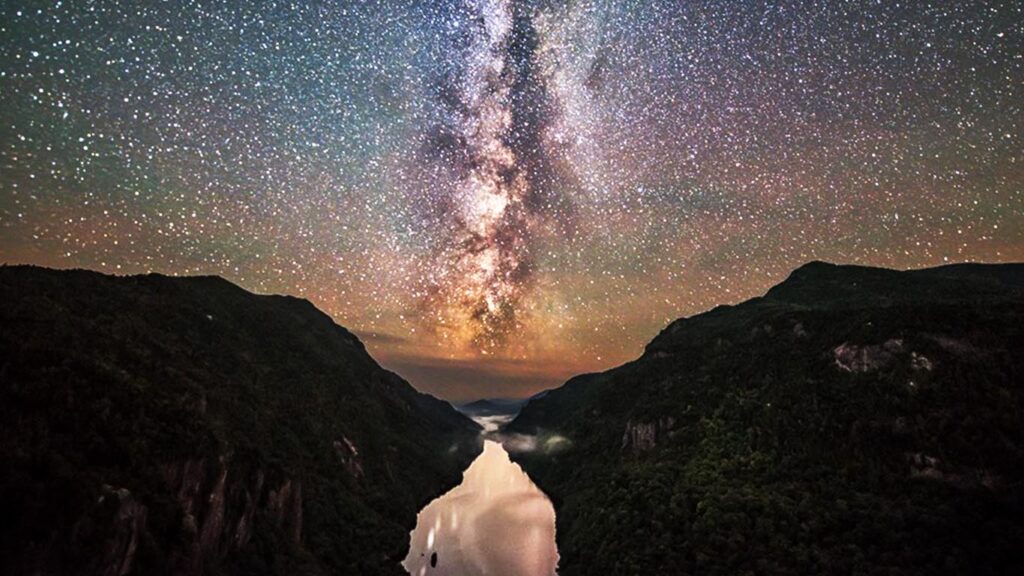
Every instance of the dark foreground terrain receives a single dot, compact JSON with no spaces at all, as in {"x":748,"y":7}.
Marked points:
{"x":154,"y":425}
{"x":851,"y":421}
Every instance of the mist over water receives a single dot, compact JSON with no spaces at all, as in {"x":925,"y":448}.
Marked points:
{"x":497,"y":522}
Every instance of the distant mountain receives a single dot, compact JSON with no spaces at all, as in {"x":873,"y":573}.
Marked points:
{"x":492,"y":407}
{"x":852,"y":421}
{"x":492,"y":413}
{"x":155,"y":425}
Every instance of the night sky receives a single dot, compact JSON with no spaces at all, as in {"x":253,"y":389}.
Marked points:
{"x":496,"y":195}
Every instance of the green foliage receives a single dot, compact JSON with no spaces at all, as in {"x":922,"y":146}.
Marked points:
{"x":105,"y":381}
{"x":770,"y":458}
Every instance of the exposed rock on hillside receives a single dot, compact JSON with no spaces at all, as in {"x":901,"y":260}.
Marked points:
{"x":156,"y":425}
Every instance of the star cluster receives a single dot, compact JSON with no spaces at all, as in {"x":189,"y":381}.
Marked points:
{"x":496,"y":194}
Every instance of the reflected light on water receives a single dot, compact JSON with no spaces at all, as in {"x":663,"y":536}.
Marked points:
{"x":497,"y":522}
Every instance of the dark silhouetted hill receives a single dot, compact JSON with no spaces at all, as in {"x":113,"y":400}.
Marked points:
{"x":852,"y":421}
{"x":155,"y":425}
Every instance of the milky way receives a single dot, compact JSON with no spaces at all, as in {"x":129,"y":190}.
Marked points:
{"x":491,"y":252}
{"x":497,"y":194}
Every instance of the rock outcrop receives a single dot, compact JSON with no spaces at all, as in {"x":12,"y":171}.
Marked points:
{"x":128,"y":525}
{"x":644,"y":436}
{"x":854,"y":358}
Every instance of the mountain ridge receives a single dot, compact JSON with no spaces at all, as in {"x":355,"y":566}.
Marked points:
{"x":852,"y":419}
{"x":173,"y":425}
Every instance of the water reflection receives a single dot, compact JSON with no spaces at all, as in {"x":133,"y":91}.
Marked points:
{"x":497,"y":522}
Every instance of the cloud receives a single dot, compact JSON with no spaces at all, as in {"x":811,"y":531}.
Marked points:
{"x":544,"y":442}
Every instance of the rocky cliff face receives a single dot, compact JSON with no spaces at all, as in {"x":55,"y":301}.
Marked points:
{"x":852,"y":420}
{"x":129,"y":527}
{"x":644,"y":436}
{"x":158,"y":425}
{"x":217,"y":512}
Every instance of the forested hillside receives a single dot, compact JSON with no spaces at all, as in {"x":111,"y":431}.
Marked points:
{"x":851,"y":421}
{"x":156,"y":425}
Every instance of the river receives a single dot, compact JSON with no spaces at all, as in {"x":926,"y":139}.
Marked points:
{"x":496,"y":522}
